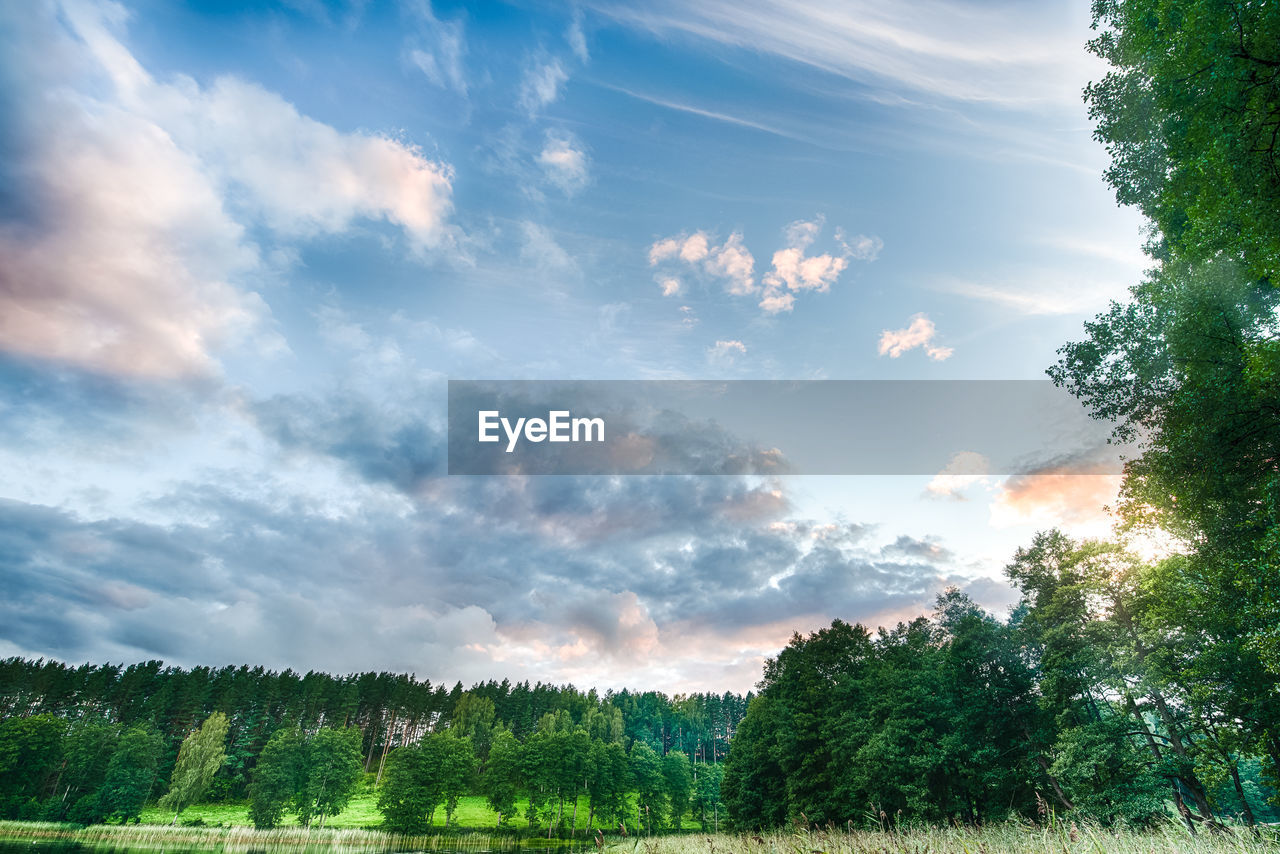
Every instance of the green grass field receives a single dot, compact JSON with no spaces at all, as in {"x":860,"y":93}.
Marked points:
{"x":473,"y":814}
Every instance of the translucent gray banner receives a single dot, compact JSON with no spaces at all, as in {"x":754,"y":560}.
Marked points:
{"x":842,"y":427}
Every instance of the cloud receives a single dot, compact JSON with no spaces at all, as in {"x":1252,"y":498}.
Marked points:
{"x":134,"y":260}
{"x":734,"y":263}
{"x":920,"y":333}
{"x":564,"y":162}
{"x":726,"y":351}
{"x":437,"y":49}
{"x":860,"y":247}
{"x":541,"y":251}
{"x":793,"y":271}
{"x":964,"y":470}
{"x":575,"y":37}
{"x":1073,"y":502}
{"x":540,"y":85}
{"x":939,"y":51}
{"x":731,"y":262}
{"x":669,"y":285}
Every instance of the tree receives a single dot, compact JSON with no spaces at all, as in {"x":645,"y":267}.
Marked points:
{"x":706,"y":795}
{"x":421,"y":777}
{"x":501,"y":779}
{"x":650,"y":786}
{"x":30,"y":753}
{"x":333,"y":769}
{"x":130,"y":774}
{"x":199,"y":758}
{"x":405,"y":801}
{"x":1190,"y":113}
{"x":608,"y":781}
{"x":281,"y":773}
{"x":679,"y":779}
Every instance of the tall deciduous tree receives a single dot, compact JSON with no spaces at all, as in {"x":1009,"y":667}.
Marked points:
{"x":201,"y":755}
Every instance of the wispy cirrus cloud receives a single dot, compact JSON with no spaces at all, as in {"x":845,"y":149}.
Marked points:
{"x":954,"y":52}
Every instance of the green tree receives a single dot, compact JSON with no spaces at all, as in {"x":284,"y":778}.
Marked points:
{"x":608,"y":781}
{"x":678,"y":775}
{"x":280,"y":775}
{"x":501,"y":780}
{"x":405,"y":800}
{"x":201,"y":755}
{"x":650,"y":787}
{"x":333,"y":770}
{"x":1190,"y":113}
{"x":707,"y":802}
{"x":30,"y":754}
{"x":130,"y":774}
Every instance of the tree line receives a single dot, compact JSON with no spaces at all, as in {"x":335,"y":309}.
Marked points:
{"x":62,"y":726}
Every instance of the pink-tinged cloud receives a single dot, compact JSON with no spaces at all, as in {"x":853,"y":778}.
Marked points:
{"x":136,"y":261}
{"x":795,"y":271}
{"x":918,"y":334}
{"x":1073,"y":502}
{"x":730,"y":262}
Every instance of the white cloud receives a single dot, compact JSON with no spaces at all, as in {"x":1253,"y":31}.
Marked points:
{"x":541,"y":85}
{"x":935,"y":49}
{"x":731,"y":261}
{"x":860,"y":247}
{"x":965,"y":469}
{"x":793,"y":271}
{"x":919,"y":333}
{"x":576,"y":39}
{"x":670,"y":285}
{"x":541,"y":251}
{"x":565,"y":162}
{"x":437,"y":50}
{"x":138,"y":263}
{"x":726,"y":351}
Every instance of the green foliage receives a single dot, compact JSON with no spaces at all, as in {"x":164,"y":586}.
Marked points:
{"x":501,"y":780}
{"x":30,"y":752}
{"x":650,"y":787}
{"x":200,"y":757}
{"x":608,"y":781}
{"x":420,"y":778}
{"x":707,"y":801}
{"x":1190,"y":113}
{"x":678,"y":774}
{"x":131,"y":773}
{"x":1105,"y":774}
{"x":332,"y":773}
{"x":279,"y":777}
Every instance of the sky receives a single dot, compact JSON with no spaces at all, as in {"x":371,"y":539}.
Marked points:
{"x":243,"y":247}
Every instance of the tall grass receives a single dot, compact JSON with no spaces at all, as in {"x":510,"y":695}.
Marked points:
{"x":1011,"y":838}
{"x":240,"y":840}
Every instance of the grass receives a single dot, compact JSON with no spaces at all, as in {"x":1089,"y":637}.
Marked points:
{"x":1011,"y":838}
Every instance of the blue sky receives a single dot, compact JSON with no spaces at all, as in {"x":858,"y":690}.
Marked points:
{"x":244,"y":246}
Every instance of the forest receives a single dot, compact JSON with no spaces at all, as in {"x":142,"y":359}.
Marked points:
{"x":97,"y":743}
{"x":1136,"y":683}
